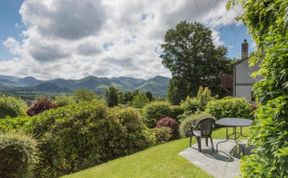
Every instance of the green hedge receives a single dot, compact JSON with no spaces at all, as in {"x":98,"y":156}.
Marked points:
{"x":229,"y":107}
{"x":155,"y":111}
{"x":185,"y":124}
{"x":17,"y":155}
{"x":79,"y":136}
{"x":12,"y":107}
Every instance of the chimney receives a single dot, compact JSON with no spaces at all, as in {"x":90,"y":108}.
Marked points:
{"x":244,"y":49}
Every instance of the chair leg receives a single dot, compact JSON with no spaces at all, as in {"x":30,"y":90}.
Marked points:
{"x":212,"y":144}
{"x":199,"y":143}
{"x":190,"y":142}
{"x":206,"y":141}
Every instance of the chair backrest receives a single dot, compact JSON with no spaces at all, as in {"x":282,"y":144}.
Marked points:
{"x":205,"y":126}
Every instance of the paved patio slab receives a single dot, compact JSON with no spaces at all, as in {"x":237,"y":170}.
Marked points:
{"x":219,"y":165}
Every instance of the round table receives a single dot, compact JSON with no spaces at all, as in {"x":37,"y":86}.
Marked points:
{"x":234,"y":123}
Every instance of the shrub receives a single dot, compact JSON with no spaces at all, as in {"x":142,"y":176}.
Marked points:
{"x":198,"y":103}
{"x":82,"y":135}
{"x":176,"y":112}
{"x":63,"y":100}
{"x":112,"y":98}
{"x":136,"y":136}
{"x":12,"y":107}
{"x":186,"y":123}
{"x":162,"y":134}
{"x":229,"y":107}
{"x":170,"y":123}
{"x":15,"y":124}
{"x":154,"y":111}
{"x":17,"y":155}
{"x":84,"y":95}
{"x":41,"y":104}
{"x":140,"y":100}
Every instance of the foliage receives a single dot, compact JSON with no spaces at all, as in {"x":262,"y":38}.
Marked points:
{"x":140,"y":100}
{"x":186,"y":123}
{"x":162,"y":134}
{"x":154,"y":111}
{"x":170,"y":123}
{"x":63,"y":100}
{"x":198,"y":103}
{"x":267,"y":21}
{"x":84,"y":95}
{"x":17,"y":155}
{"x":98,"y":135}
{"x":40,"y":105}
{"x":12,"y":107}
{"x":229,"y":107}
{"x":176,"y":112}
{"x":149,"y":95}
{"x":111,"y":95}
{"x":193,"y":59}
{"x":14,"y":124}
{"x":125,"y":97}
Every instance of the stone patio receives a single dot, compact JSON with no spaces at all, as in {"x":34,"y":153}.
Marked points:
{"x":219,"y":165}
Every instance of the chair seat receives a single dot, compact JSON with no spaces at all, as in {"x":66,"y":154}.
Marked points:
{"x":197,"y":133}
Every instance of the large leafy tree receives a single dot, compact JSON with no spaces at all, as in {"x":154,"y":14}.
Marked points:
{"x":111,"y":95}
{"x":193,"y":59}
{"x":267,"y":21}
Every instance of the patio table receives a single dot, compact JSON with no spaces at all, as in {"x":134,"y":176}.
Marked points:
{"x":234,"y":123}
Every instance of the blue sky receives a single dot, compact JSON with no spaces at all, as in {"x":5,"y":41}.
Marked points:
{"x":78,"y":50}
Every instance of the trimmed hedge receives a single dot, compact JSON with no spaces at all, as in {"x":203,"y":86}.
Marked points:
{"x":12,"y":107}
{"x":155,"y":111}
{"x":17,"y":155}
{"x":185,"y":124}
{"x":79,"y":136}
{"x":230,"y":107}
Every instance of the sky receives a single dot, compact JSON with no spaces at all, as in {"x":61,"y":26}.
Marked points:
{"x":106,"y":38}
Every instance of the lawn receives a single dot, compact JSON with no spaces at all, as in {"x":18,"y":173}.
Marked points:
{"x":161,"y":161}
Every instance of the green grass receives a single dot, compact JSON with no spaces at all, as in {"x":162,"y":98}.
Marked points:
{"x":161,"y":161}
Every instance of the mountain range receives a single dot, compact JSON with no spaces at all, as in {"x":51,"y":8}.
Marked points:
{"x":156,"y":85}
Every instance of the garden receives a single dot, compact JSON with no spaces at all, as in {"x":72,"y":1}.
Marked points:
{"x":66,"y":134}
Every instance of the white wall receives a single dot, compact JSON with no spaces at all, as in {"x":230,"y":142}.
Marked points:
{"x":244,"y":92}
{"x":243,"y":81}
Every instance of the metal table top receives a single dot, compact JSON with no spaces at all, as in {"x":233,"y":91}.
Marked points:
{"x":234,"y":122}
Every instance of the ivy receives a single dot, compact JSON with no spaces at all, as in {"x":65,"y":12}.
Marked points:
{"x":267,"y":21}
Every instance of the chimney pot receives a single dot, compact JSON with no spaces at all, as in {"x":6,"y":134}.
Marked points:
{"x":244,"y":51}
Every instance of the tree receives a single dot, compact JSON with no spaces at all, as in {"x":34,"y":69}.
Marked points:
{"x":267,"y":22}
{"x":140,"y":100}
{"x":149,"y":95}
{"x":193,"y":59}
{"x":84,"y":95}
{"x":111,"y":95}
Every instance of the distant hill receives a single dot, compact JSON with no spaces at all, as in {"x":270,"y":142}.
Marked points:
{"x":156,"y":85}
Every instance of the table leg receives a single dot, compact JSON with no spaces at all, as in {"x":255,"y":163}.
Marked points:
{"x":235,"y":137}
{"x":227,"y":138}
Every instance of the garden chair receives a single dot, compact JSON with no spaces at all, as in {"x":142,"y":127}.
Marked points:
{"x":203,"y":129}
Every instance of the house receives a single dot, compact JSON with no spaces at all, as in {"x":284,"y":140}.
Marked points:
{"x":242,"y":79}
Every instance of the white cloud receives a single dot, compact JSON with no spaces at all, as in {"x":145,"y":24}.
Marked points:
{"x":76,"y":38}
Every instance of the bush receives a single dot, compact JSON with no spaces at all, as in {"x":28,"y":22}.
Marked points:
{"x":12,"y":107}
{"x":63,"y":100}
{"x":40,"y":105}
{"x":176,"y":112}
{"x":84,"y":95}
{"x":17,"y":155}
{"x":154,"y":111}
{"x":170,"y":123}
{"x":229,"y":107}
{"x":186,"y":123}
{"x":140,"y":100}
{"x":162,"y":134}
{"x":82,"y":135}
{"x":198,"y":103}
{"x":15,"y":124}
